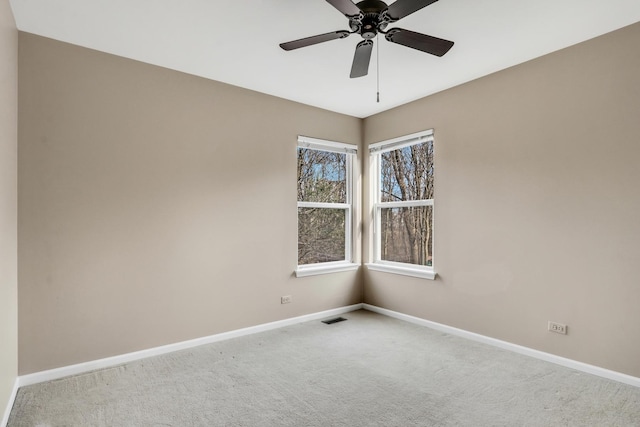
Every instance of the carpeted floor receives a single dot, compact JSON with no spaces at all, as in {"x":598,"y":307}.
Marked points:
{"x":368,"y":371}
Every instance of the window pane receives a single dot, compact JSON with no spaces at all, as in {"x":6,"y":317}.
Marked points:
{"x":321,"y":234}
{"x":407,"y":235}
{"x":321,"y":176}
{"x":407,"y":173}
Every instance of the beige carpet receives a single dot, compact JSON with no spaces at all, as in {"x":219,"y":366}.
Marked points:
{"x":368,"y":371}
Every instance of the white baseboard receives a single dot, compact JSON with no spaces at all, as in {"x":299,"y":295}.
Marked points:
{"x":12,"y":398}
{"x":108,"y":362}
{"x":569,"y":363}
{"x":81,"y":368}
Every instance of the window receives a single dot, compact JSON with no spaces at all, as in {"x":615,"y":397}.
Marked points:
{"x":402,"y":194}
{"x":325,"y":208}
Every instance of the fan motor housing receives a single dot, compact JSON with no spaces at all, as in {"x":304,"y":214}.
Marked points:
{"x":371,"y":20}
{"x":372,"y":6}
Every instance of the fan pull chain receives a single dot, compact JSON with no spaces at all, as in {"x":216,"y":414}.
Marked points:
{"x":378,"y":68}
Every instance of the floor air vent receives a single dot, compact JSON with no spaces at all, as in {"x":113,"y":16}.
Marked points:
{"x":332,"y":321}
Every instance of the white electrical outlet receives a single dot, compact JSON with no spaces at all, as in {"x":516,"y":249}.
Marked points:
{"x":558,"y":328}
{"x":286,"y":299}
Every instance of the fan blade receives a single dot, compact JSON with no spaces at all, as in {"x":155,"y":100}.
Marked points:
{"x":402,"y":8}
{"x":346,"y":7}
{"x":361,"y":59}
{"x":423,"y":42}
{"x":308,"y":41}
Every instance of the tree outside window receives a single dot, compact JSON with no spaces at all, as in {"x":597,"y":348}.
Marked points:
{"x":403,"y":205}
{"x":324,"y":203}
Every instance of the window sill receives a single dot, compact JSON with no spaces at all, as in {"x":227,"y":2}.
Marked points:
{"x":325,"y":268}
{"x":422,"y":273}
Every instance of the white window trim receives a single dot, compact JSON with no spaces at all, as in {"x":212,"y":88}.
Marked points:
{"x":377,"y":264}
{"x":401,"y":142}
{"x":325,"y":145}
{"x":402,"y":269}
{"x":348,"y":264}
{"x":325,"y":267}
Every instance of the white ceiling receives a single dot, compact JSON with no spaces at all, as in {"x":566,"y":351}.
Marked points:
{"x":236,"y":42}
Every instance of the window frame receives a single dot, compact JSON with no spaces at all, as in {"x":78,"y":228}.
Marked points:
{"x":349,"y":206}
{"x":376,"y":263}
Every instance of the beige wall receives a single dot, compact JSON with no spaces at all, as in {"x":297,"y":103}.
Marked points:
{"x":8,"y":204}
{"x":155,"y":206}
{"x":537,"y":204}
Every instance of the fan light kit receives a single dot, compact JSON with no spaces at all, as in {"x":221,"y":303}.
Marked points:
{"x":370,"y":17}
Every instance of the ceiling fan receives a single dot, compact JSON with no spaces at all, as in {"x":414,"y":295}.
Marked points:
{"x":370,"y":17}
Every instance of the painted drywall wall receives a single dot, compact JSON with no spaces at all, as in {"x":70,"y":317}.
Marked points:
{"x":8,"y":204}
{"x":155,"y":206}
{"x":536,"y":204}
